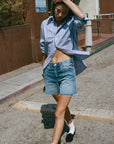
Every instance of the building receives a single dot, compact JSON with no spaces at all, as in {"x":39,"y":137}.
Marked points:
{"x":97,"y":8}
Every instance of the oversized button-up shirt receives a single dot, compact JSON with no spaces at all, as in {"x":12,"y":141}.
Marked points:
{"x":63,"y":37}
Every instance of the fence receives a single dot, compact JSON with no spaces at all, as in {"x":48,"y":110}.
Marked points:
{"x":105,"y":16}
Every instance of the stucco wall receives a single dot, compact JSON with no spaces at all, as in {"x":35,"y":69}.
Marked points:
{"x":15,"y":48}
{"x":35,"y":19}
{"x":89,"y":6}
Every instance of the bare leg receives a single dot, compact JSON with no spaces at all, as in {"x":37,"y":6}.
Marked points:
{"x":68,"y":117}
{"x":59,"y":117}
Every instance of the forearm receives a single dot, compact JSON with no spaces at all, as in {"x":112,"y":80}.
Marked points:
{"x":74,"y":8}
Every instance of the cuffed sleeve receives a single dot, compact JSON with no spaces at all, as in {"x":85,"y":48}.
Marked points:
{"x":80,"y":22}
{"x":42,"y":40}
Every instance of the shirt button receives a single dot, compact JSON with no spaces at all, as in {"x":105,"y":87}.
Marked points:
{"x":55,"y":64}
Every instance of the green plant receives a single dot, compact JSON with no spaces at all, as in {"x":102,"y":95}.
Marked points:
{"x":12,"y":12}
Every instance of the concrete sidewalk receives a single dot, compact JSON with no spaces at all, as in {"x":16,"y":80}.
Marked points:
{"x":17,"y":81}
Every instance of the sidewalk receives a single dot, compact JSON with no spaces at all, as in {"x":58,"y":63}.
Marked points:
{"x":16,"y":82}
{"x":19,"y":80}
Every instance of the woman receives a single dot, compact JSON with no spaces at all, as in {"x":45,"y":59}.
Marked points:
{"x":62,"y":60}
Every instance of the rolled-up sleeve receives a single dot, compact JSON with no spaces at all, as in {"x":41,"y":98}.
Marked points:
{"x":80,"y":22}
{"x":42,"y":40}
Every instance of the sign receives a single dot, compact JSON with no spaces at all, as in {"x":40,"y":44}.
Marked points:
{"x":40,"y":5}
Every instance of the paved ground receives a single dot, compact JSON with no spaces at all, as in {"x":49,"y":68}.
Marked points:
{"x":92,"y":108}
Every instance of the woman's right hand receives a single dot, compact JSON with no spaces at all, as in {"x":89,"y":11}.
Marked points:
{"x":57,"y":1}
{"x":43,"y":75}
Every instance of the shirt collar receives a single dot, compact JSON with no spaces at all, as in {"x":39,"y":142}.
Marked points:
{"x":50,"y":19}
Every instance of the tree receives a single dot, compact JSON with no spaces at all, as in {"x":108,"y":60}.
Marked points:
{"x":12,"y":12}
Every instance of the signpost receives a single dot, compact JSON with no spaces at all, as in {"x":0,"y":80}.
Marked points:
{"x":40,"y":6}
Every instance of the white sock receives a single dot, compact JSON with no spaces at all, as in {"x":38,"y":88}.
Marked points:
{"x":71,"y":127}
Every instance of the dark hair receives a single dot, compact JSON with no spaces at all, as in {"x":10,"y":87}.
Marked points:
{"x":53,"y":5}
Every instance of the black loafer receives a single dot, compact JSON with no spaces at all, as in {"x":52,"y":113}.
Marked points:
{"x":70,"y":136}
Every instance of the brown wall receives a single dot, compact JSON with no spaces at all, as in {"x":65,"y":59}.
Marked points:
{"x":15,"y":48}
{"x":105,"y":26}
{"x":106,"y":6}
{"x":35,"y":19}
{"x":20,"y":45}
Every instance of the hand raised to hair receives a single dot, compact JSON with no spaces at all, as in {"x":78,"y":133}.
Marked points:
{"x":57,"y":1}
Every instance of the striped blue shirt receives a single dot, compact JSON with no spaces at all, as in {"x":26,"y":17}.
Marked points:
{"x":65,"y":38}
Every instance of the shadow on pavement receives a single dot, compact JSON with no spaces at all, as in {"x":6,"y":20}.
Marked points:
{"x":48,"y":118}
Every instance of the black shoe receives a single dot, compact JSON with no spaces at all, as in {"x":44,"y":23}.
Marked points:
{"x":70,"y":136}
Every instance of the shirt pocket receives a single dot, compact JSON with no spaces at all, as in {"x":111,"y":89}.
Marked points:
{"x":49,"y":36}
{"x":49,"y":39}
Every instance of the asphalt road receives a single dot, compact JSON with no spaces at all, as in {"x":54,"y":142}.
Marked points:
{"x":92,"y":108}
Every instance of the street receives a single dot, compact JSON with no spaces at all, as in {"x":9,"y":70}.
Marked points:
{"x":27,"y":118}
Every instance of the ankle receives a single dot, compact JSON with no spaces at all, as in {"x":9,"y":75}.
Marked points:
{"x":69,"y":122}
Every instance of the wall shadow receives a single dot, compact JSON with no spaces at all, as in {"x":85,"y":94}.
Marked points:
{"x":48,"y":118}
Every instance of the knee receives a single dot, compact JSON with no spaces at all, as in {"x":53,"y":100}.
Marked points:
{"x":60,"y":114}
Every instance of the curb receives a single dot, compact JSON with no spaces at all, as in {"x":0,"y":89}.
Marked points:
{"x":20,"y":91}
{"x":101,"y":48}
{"x":81,"y":112}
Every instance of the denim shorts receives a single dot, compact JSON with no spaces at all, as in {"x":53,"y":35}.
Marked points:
{"x":60,"y":78}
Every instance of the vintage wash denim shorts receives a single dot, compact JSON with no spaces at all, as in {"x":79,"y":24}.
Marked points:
{"x":60,"y":78}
